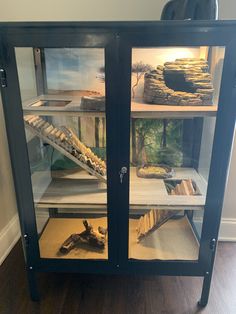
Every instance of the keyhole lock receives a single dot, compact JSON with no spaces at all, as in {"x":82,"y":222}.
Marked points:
{"x":122,"y":172}
{"x":3,"y":78}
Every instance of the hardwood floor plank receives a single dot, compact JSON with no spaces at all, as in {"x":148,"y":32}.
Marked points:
{"x":97,"y":294}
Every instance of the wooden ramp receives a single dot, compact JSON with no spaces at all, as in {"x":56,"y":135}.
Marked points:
{"x":67,"y":143}
{"x":152,"y":220}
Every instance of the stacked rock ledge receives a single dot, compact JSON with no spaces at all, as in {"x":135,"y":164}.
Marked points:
{"x":195,"y":73}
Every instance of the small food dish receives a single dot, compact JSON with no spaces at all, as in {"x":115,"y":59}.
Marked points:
{"x":158,"y":171}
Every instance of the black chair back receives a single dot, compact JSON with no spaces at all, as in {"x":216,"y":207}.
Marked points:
{"x":190,"y":9}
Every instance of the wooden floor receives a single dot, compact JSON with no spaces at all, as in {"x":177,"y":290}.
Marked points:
{"x":69,"y":293}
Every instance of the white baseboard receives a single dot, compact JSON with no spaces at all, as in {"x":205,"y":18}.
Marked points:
{"x":228,"y":230}
{"x":9,"y":235}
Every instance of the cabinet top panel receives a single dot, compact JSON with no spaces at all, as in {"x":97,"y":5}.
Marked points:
{"x":136,"y":33}
{"x":121,"y":25}
{"x":117,"y":23}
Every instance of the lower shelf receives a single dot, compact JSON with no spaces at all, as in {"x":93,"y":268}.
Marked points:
{"x":58,"y":230}
{"x":174,"y":240}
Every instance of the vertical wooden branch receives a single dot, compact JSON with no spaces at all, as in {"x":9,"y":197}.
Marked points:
{"x":103,"y":132}
{"x":79,"y":128}
{"x":164,"y":133}
{"x":134,"y":145}
{"x":96,"y":132}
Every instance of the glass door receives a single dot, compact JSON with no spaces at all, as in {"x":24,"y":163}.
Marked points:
{"x":60,"y":110}
{"x":174,"y":103}
{"x":64,"y":109}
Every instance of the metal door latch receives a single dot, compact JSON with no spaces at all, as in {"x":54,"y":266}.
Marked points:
{"x":122,"y":172}
{"x":3,"y":78}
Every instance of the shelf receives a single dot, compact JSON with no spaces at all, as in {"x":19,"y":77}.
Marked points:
{"x":58,"y":230}
{"x":174,"y":240}
{"x":72,"y":108}
{"x":142,"y":110}
{"x":68,"y":189}
{"x":77,"y":189}
{"x":138,"y":109}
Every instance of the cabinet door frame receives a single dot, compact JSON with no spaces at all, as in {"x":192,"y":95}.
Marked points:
{"x":60,"y":35}
{"x":184,"y":34}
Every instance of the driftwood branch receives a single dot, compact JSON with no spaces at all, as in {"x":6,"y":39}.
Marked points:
{"x":88,"y":236}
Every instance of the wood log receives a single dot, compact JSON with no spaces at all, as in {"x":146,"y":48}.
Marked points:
{"x":190,"y":187}
{"x":142,"y":227}
{"x":84,"y":150}
{"x":102,"y":231}
{"x":27,"y":118}
{"x":52,"y":134}
{"x":41,"y":123}
{"x":182,"y":188}
{"x":32,"y":119}
{"x":57,"y":134}
{"x":185,"y":187}
{"x":90,"y":237}
{"x":145,"y":228}
{"x":139,"y":224}
{"x":151,"y":215}
{"x":69,"y":243}
{"x":45,"y":126}
{"x":149,"y":221}
{"x":36,"y":122}
{"x":62,"y":137}
{"x":177,"y":189}
{"x":47,"y":130}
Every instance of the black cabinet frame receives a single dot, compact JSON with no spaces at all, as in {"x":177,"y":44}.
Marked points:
{"x":118,"y":40}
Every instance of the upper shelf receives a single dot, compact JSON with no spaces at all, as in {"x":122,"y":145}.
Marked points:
{"x":138,"y":109}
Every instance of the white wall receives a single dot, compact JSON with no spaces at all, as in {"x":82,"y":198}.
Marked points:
{"x":7,"y":196}
{"x":9,"y":227}
{"x":75,"y":10}
{"x":227,"y":9}
{"x":90,"y":10}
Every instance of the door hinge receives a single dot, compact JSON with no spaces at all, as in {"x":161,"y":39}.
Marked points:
{"x":26,"y":239}
{"x":213,"y":244}
{"x":3,"y":78}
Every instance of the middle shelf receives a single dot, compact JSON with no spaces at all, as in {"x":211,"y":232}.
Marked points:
{"x":139,"y":109}
{"x":77,"y":189}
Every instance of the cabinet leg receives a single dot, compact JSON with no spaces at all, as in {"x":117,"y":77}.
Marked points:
{"x":33,"y":287}
{"x":205,"y":290}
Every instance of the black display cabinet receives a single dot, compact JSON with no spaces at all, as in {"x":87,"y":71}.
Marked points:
{"x":125,"y":129}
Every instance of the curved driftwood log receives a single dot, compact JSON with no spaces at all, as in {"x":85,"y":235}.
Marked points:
{"x":88,"y":236}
